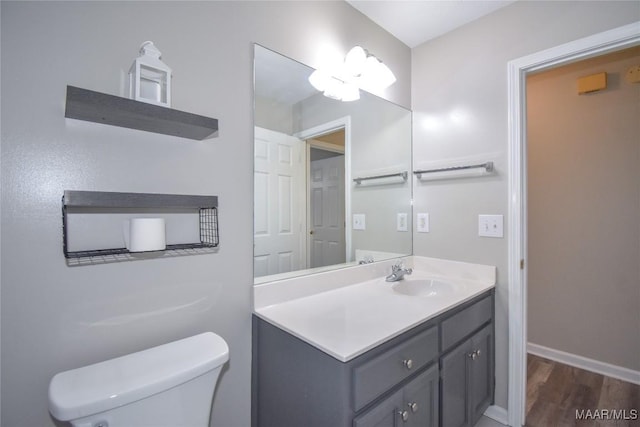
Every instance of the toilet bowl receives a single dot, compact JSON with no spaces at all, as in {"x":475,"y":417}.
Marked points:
{"x":166,"y":386}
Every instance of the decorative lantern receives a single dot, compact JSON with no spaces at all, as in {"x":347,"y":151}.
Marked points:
{"x":150,"y":78}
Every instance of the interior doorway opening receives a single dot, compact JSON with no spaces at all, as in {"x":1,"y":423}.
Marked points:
{"x":597,"y":44}
{"x":583,"y":152}
{"x":326,"y":243}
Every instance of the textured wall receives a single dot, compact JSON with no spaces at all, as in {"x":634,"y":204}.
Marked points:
{"x":459,"y":99}
{"x":55,"y":317}
{"x":584,"y":212}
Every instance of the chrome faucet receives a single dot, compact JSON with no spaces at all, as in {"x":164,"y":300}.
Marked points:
{"x":397,"y":272}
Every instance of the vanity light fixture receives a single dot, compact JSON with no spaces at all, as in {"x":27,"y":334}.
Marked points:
{"x":360,"y":70}
{"x":149,"y":77}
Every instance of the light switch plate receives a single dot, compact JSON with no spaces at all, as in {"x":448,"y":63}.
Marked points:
{"x":423,"y":223}
{"x":359,"y":222}
{"x":402,"y":222}
{"x":490,"y":225}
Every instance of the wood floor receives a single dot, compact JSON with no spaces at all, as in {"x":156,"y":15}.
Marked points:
{"x":556,"y":391}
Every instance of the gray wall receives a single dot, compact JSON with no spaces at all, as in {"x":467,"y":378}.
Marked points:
{"x":55,"y":317}
{"x":584,"y":212}
{"x":465,"y":73}
{"x":272,"y":115}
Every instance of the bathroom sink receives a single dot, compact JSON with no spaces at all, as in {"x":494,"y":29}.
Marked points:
{"x":423,"y":287}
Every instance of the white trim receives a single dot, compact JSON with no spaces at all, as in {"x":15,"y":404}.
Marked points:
{"x":497,"y":413}
{"x":602,"y":368}
{"x":597,"y":44}
{"x":325,"y":128}
{"x":326,"y":146}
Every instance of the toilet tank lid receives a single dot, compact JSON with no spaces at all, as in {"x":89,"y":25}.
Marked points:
{"x":106,"y":385}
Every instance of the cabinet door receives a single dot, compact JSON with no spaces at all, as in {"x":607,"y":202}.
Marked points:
{"x":385,"y":414}
{"x":481,"y":387}
{"x":455,"y":382}
{"x":421,"y":400}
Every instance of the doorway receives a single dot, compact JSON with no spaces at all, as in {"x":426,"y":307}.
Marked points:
{"x":326,"y":244}
{"x":608,"y":41}
{"x":330,"y":140}
{"x":583,"y":176}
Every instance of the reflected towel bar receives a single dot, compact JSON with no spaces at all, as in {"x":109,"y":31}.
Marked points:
{"x":404,"y":176}
{"x":487,"y":166}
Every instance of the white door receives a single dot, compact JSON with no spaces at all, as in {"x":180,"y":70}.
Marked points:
{"x":279,"y":193}
{"x":327,"y":233}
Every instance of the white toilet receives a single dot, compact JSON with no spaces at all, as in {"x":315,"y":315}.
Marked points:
{"x":166,"y":386}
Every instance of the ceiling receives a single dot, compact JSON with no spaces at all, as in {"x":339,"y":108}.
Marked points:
{"x":414,"y":22}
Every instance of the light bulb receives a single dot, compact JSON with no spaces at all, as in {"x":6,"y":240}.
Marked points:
{"x":350,"y":92}
{"x":334,"y":89}
{"x":376,"y":76}
{"x":354,"y":61}
{"x":384,"y":76}
{"x":319,"y":80}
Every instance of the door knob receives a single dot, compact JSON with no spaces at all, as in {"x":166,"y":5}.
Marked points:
{"x":413,"y":406}
{"x":404,"y":415}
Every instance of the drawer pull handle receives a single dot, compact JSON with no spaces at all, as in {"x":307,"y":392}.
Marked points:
{"x":478,"y":352}
{"x":408,"y":363}
{"x":473,"y":355}
{"x":404,"y":415}
{"x":414,"y":407}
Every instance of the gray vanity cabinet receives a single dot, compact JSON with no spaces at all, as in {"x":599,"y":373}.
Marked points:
{"x":415,"y":405}
{"x":467,"y":380}
{"x":420,"y":404}
{"x":424,"y":377}
{"x":384,"y":414}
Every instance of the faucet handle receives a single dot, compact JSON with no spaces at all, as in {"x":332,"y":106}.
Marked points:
{"x":397,"y":266}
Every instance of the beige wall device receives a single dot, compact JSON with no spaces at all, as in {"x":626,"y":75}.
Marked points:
{"x":633,"y":74}
{"x":592,"y":83}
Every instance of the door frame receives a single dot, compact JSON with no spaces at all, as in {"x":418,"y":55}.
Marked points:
{"x":517,"y":70}
{"x":323,"y":129}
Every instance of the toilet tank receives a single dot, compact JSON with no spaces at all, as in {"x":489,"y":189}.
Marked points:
{"x":168,"y":385}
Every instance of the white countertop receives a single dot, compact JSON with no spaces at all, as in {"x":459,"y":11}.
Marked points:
{"x":350,"y":311}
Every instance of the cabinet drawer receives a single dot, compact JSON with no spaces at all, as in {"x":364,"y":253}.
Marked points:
{"x":378,"y":375}
{"x":462,"y":324}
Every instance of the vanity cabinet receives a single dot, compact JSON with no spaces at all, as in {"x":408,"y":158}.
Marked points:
{"x":421,"y":378}
{"x":415,"y":405}
{"x":467,"y":380}
{"x":466,"y":366}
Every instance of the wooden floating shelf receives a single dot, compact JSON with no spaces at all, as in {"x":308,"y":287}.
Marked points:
{"x":104,"y":199}
{"x":91,"y":106}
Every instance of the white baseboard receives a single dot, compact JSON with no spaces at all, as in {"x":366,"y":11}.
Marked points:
{"x":596,"y":366}
{"x":497,"y":413}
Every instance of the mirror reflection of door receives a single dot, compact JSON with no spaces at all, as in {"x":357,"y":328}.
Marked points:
{"x":326,"y":200}
{"x":279,"y":203}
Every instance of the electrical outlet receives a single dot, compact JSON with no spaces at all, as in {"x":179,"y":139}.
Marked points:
{"x":423,"y":223}
{"x":490,"y":225}
{"x":402,"y":222}
{"x":359,"y":222}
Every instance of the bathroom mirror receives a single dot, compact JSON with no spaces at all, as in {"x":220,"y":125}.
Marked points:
{"x":332,"y":179}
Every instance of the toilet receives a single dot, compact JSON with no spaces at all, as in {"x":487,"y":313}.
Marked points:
{"x":166,"y":386}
